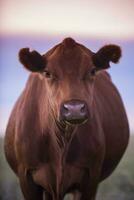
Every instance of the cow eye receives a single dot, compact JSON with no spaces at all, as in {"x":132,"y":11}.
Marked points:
{"x":47,"y":74}
{"x":93,"y":71}
{"x":90,"y":74}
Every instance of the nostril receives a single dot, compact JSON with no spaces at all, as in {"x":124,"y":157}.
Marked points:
{"x":66,"y":109}
{"x":65,"y":106}
{"x":82,"y":108}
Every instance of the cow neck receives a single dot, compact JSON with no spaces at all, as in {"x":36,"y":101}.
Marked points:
{"x":64,"y":134}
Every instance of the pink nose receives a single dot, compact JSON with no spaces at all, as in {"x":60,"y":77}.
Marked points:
{"x":74,"y":111}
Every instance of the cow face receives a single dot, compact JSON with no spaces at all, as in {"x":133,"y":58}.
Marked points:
{"x":68,"y":72}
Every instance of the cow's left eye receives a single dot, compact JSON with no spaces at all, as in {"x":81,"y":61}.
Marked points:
{"x":90,"y":74}
{"x":92,"y":71}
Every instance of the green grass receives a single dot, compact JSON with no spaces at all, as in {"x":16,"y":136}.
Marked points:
{"x":119,"y":186}
{"x":9,"y":185}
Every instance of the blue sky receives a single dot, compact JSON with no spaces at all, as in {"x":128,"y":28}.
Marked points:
{"x":13,"y":76}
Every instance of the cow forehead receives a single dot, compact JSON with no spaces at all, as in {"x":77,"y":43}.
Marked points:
{"x":69,"y":55}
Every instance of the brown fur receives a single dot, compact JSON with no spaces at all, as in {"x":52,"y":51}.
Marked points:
{"x":55,"y":157}
{"x":106,"y":54}
{"x":31,"y":60}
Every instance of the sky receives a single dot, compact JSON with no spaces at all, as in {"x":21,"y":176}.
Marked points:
{"x":41,"y":24}
{"x":103,"y":18}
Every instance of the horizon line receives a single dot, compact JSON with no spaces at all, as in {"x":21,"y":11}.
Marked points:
{"x":64,"y":35}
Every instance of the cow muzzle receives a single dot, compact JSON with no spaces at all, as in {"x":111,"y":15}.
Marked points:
{"x":74,"y":112}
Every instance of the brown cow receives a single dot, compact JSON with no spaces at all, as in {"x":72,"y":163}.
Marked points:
{"x":68,"y":129}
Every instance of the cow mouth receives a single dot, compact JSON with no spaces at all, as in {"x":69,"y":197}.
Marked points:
{"x":76,"y":121}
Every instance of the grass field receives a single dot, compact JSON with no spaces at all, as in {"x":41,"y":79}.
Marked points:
{"x":119,"y":186}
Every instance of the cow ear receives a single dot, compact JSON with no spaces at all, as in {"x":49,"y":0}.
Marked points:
{"x":32,"y":61}
{"x":106,"y":54}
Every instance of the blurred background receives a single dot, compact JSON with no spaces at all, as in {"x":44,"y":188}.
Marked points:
{"x":42,"y":24}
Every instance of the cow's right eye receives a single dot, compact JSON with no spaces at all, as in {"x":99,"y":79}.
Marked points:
{"x":47,"y":74}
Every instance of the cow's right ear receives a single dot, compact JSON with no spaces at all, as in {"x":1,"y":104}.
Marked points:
{"x":32,"y":61}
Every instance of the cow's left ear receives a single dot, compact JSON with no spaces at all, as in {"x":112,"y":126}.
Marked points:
{"x":31,"y":60}
{"x":106,"y":54}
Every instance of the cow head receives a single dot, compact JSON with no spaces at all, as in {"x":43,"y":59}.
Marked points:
{"x":68,"y":72}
